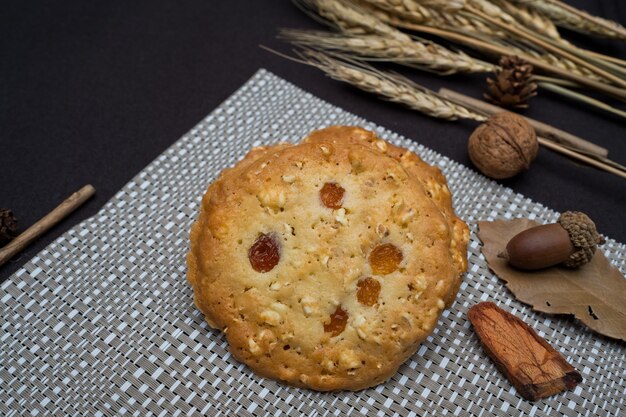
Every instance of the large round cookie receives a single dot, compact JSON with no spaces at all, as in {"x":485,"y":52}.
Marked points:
{"x":326,"y":263}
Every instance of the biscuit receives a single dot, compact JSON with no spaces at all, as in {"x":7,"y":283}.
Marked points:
{"x":328,"y":262}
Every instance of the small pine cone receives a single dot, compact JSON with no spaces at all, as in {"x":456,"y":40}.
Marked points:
{"x":513,"y":85}
{"x":8,"y":226}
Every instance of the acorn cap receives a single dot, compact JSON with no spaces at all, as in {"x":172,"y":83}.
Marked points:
{"x":584,"y":236}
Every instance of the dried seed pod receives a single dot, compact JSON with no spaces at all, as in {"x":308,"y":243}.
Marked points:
{"x":8,"y":226}
{"x":571,"y":241}
{"x":503,"y":146}
{"x":513,"y":85}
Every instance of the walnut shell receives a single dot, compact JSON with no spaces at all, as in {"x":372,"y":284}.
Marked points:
{"x":503,"y":146}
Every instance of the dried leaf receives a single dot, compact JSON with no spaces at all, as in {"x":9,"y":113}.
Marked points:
{"x":594,"y":293}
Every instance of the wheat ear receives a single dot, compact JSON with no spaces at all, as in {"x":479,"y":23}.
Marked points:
{"x":423,"y":54}
{"x":569,"y":17}
{"x":421,"y":14}
{"x":389,"y":86}
{"x":410,"y":11}
{"x":494,"y":15}
{"x":349,"y":18}
{"x":560,"y":49}
{"x":530,"y":18}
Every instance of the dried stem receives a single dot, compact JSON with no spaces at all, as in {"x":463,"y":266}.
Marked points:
{"x":608,"y":58}
{"x":547,"y":131}
{"x":582,"y":158}
{"x":614,"y":65}
{"x":548,"y":136}
{"x":582,"y":98}
{"x":562,"y":63}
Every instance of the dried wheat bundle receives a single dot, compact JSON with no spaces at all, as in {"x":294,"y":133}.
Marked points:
{"x":389,"y":86}
{"x":492,"y":14}
{"x":387,"y":18}
{"x":423,"y":54}
{"x":406,"y":9}
{"x":575,"y":19}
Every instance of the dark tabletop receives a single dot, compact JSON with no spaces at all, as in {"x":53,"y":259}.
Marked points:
{"x":91,"y":92}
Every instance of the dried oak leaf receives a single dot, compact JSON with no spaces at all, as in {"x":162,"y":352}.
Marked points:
{"x":594,"y":293}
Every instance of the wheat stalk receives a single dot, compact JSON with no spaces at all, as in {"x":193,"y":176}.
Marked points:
{"x":423,"y":54}
{"x":608,"y":68}
{"x":357,"y":19}
{"x":437,"y":17}
{"x":493,"y":48}
{"x":553,"y":60}
{"x":563,"y":50}
{"x":410,"y":11}
{"x":389,"y":86}
{"x":496,"y":16}
{"x":575,"y":19}
{"x":350,"y":18}
{"x":565,"y":64}
{"x":530,"y":18}
{"x":489,"y":9}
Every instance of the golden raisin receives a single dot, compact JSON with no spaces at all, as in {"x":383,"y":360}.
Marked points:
{"x":331,"y":195}
{"x":264,"y":253}
{"x":368,"y":290}
{"x":337,"y":323}
{"x":385,"y":259}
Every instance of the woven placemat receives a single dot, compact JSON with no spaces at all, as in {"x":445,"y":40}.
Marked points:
{"x":102,"y":321}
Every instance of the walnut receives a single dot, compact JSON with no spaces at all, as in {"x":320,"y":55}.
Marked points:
{"x":503,"y":146}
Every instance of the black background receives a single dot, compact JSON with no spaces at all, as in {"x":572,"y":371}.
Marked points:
{"x":91,"y":92}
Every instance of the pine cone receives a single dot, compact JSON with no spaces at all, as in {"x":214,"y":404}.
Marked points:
{"x":8,"y":226}
{"x":513,"y":85}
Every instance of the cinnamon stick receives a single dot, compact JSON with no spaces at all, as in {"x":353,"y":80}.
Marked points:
{"x":59,"y":213}
{"x":527,"y":360}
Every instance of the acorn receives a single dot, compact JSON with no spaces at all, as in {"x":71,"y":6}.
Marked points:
{"x":570,"y":242}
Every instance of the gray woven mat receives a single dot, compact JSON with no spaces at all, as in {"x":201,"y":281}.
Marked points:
{"x":102,"y":321}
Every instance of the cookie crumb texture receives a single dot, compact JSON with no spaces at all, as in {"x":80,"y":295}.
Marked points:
{"x":328,"y":262}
